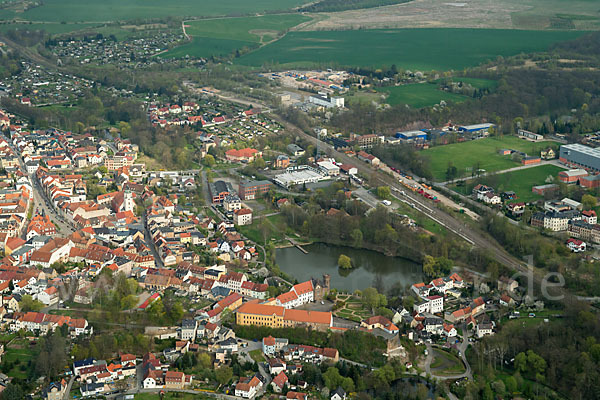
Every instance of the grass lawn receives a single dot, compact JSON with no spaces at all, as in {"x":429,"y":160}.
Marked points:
{"x":113,"y":10}
{"x":519,"y":182}
{"x":419,"y":95}
{"x":257,"y":355}
{"x":420,"y":49}
{"x":276,"y":227}
{"x":18,"y":356}
{"x":445,"y":363}
{"x":464,"y":156}
{"x":421,"y":220}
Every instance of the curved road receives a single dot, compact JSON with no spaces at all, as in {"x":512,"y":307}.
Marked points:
{"x":467,"y":374}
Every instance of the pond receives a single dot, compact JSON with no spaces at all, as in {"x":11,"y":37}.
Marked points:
{"x":370,"y":266}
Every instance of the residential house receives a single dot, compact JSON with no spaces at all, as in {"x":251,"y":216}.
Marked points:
{"x":338,"y":394}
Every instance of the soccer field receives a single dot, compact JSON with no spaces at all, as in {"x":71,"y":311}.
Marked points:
{"x":415,"y":49}
{"x":419,"y":95}
{"x":483,"y":152}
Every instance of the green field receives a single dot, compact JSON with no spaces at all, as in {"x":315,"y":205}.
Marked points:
{"x":117,"y":10}
{"x":221,"y":36}
{"x":464,"y":156}
{"x":421,"y":49}
{"x":201,"y":47}
{"x":419,"y":95}
{"x":51,"y":28}
{"x":519,"y":182}
{"x":249,"y":29}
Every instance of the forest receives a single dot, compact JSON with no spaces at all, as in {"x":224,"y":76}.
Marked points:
{"x":563,"y":354}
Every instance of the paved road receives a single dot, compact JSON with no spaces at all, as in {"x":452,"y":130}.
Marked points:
{"x":429,"y":359}
{"x":150,"y":242}
{"x":40,"y":201}
{"x":69,"y":386}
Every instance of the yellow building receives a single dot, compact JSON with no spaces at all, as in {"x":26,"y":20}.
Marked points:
{"x":260,"y":314}
{"x":279,"y":317}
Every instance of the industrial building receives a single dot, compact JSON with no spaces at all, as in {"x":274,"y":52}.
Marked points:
{"x":299,"y":176}
{"x":482,"y":128}
{"x":219,"y":190}
{"x":572,"y":175}
{"x":411,"y":136}
{"x":324,"y":101}
{"x":295,"y":150}
{"x":579,"y":156}
{"x":249,"y":190}
{"x":329,"y":168}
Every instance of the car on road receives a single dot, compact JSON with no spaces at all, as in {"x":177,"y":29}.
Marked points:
{"x":531,"y":315}
{"x":387,"y":203}
{"x":322,"y":302}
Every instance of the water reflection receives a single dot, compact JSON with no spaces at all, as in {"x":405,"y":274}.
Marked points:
{"x":371,"y":268}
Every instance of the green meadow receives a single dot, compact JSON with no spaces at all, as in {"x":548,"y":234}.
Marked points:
{"x":519,"y":182}
{"x":483,"y":152}
{"x":207,"y":47}
{"x":249,"y":29}
{"x":420,"y":49}
{"x":418,"y":95}
{"x":221,"y":36}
